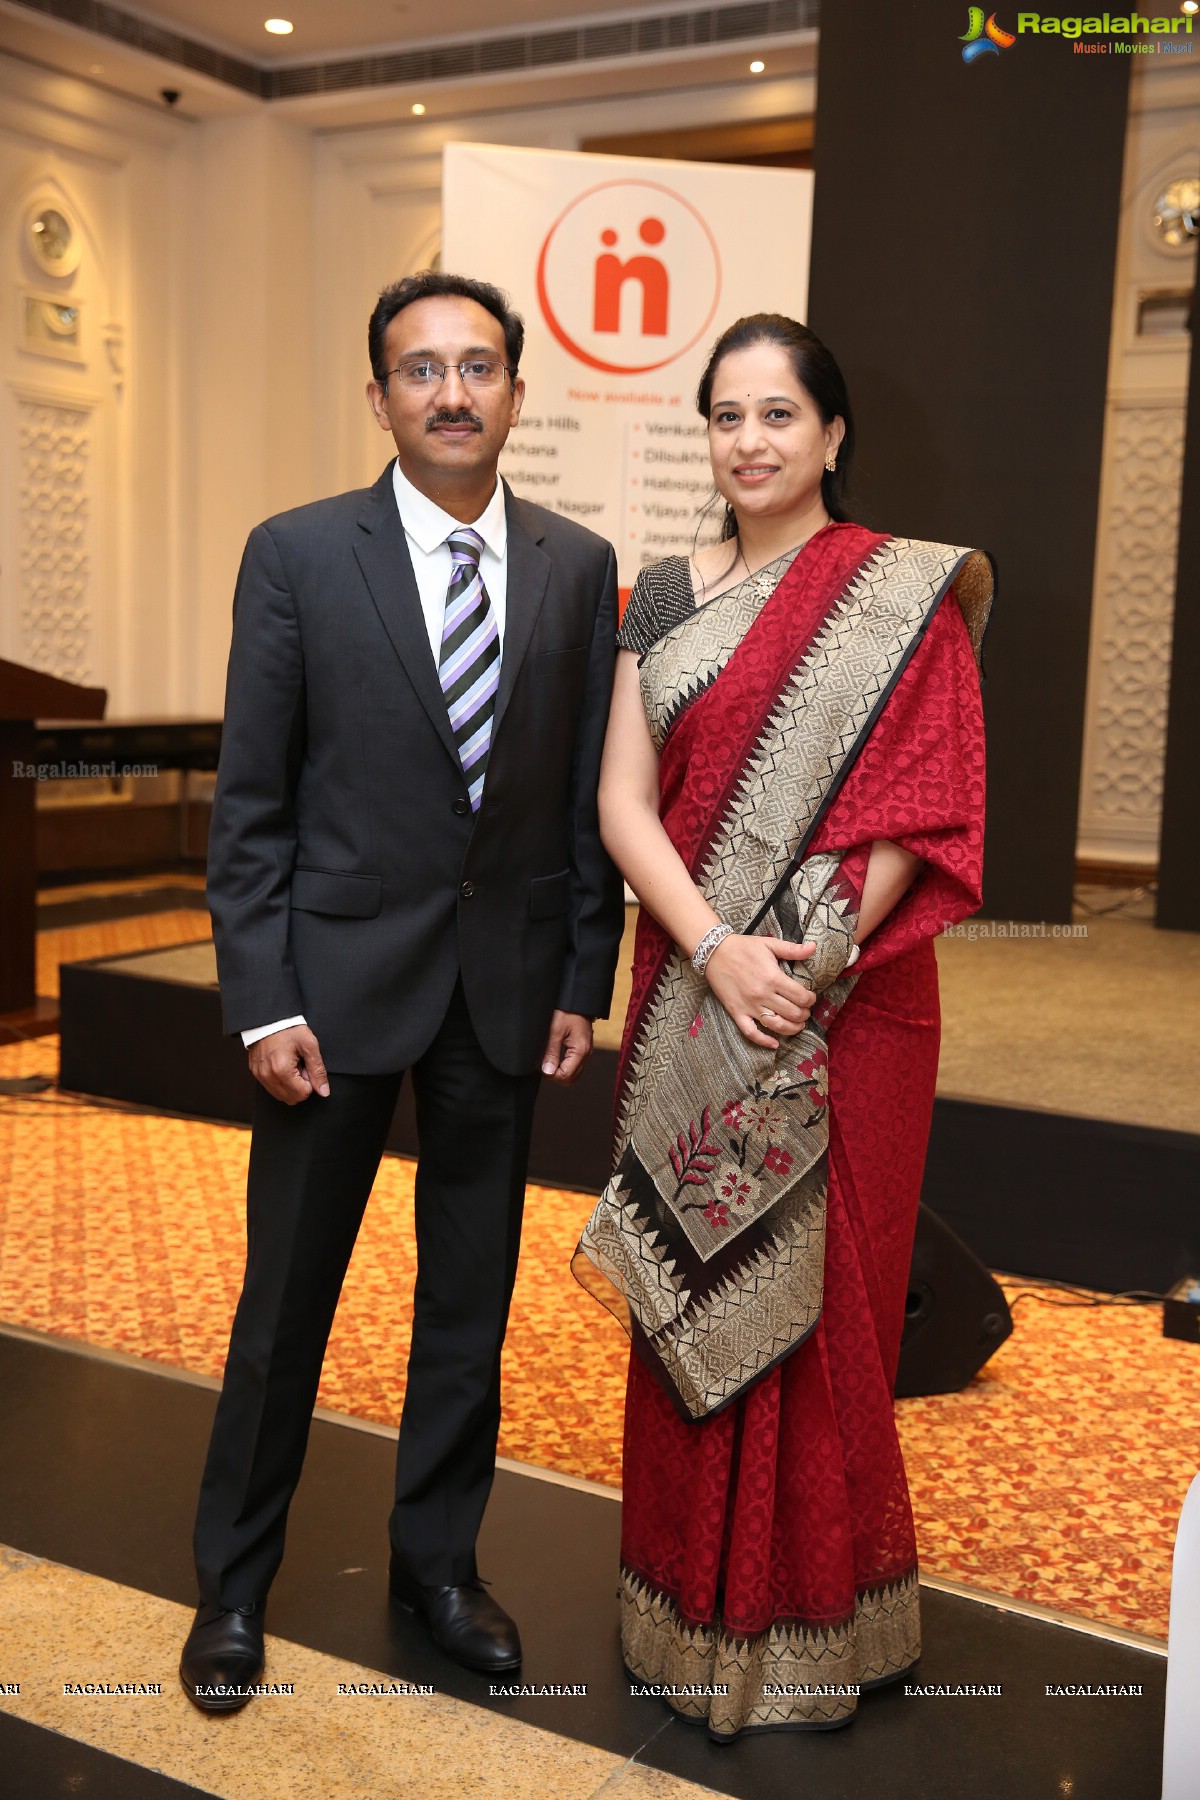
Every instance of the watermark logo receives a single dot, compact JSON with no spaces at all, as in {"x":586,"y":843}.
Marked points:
{"x":983,"y":37}
{"x":977,"y":930}
{"x":1097,"y":34}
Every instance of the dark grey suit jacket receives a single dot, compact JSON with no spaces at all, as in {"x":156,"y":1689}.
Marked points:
{"x":347,"y":878}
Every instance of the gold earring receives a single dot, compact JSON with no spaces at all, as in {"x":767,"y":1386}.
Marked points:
{"x":830,"y":465}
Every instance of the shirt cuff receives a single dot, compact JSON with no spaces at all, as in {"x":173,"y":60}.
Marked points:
{"x":262,"y":1031}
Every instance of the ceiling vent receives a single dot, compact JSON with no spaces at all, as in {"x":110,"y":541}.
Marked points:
{"x":554,"y":48}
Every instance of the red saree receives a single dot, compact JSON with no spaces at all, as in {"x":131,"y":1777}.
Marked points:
{"x":769,"y":1564}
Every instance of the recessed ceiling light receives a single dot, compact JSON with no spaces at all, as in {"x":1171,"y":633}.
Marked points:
{"x":279,"y":27}
{"x":418,"y":108}
{"x":756,"y":67}
{"x":1190,"y":6}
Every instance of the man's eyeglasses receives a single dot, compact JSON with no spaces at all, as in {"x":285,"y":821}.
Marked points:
{"x":474,"y":372}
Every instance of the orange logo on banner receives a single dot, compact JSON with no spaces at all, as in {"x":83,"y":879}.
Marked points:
{"x":651,"y":271}
{"x":628,"y":277}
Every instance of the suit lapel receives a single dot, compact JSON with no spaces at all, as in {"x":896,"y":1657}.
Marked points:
{"x":382,"y":552}
{"x":528,"y":578}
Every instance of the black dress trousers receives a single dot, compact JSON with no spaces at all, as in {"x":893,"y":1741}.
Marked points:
{"x":312,"y":1167}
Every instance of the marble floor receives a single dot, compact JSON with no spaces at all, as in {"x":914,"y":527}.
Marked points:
{"x":102,"y":1458}
{"x":325,"y":1733}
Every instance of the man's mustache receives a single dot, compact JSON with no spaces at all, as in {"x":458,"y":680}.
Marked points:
{"x":464,"y":416}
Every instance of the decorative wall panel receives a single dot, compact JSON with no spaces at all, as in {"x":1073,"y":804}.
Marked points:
{"x":1135,"y":599}
{"x":54,"y":445}
{"x":1129,"y":666}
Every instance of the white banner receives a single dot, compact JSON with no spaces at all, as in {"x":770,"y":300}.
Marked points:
{"x":626,"y":271}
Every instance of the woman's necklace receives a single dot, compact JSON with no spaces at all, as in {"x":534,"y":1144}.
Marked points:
{"x":757,"y":581}
{"x":760,"y":584}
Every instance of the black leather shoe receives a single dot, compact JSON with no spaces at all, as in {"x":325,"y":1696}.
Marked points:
{"x":223,"y":1657}
{"x":465,"y":1622}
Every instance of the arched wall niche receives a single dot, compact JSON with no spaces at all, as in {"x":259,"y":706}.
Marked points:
{"x":61,"y":378}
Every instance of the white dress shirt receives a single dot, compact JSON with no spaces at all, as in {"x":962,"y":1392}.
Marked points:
{"x":428,"y":529}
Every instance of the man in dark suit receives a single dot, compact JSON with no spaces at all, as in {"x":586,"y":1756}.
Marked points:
{"x":405,"y":872}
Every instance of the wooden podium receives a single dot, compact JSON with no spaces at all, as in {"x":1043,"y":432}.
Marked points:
{"x":26,"y":695}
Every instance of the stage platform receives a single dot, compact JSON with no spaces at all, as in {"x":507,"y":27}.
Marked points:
{"x":1035,"y":1031}
{"x":105,"y":1456}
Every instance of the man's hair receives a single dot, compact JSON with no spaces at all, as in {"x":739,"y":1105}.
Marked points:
{"x":431,"y":284}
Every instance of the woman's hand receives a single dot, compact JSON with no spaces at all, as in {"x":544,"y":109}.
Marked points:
{"x":745,"y":975}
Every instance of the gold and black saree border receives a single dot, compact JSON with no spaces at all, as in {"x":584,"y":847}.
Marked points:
{"x":792,"y":1676}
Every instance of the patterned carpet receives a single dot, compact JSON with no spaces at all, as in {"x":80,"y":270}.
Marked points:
{"x":1056,"y":1477}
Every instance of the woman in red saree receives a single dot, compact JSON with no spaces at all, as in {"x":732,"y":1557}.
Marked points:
{"x":793,"y":786}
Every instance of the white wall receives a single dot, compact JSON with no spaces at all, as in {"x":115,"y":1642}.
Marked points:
{"x":250,"y":449}
{"x":87,"y":447}
{"x":130,"y":477}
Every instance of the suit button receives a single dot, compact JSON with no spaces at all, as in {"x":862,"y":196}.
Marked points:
{"x":460,"y":806}
{"x":467,"y":889}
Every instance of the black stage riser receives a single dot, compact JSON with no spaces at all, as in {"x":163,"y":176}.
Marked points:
{"x":1179,"y":847}
{"x":160,"y":1044}
{"x":1104,"y":1204}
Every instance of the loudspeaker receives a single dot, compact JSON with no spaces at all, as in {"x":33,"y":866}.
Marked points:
{"x":955,"y":1316}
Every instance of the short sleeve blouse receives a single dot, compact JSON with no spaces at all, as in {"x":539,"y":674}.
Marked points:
{"x":660,"y":599}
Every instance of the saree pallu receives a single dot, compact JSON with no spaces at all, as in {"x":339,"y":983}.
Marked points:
{"x":769,"y":1567}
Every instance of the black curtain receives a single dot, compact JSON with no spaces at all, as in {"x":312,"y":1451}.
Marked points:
{"x":962,"y":272}
{"x":1179,"y":851}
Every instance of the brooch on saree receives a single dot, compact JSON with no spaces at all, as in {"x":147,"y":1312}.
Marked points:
{"x":762,"y":586}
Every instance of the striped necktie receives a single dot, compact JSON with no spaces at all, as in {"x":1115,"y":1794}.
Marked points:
{"x":469,"y":663}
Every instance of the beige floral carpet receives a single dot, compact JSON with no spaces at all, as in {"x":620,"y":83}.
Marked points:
{"x":1056,"y":1477}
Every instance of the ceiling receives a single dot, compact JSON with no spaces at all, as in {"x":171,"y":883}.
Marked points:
{"x":324,"y":29}
{"x":315,"y":78}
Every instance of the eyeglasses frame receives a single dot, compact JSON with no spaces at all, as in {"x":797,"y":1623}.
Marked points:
{"x":509,"y":370}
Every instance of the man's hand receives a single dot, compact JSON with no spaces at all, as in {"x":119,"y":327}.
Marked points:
{"x":568,"y":1047}
{"x":288,"y":1063}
